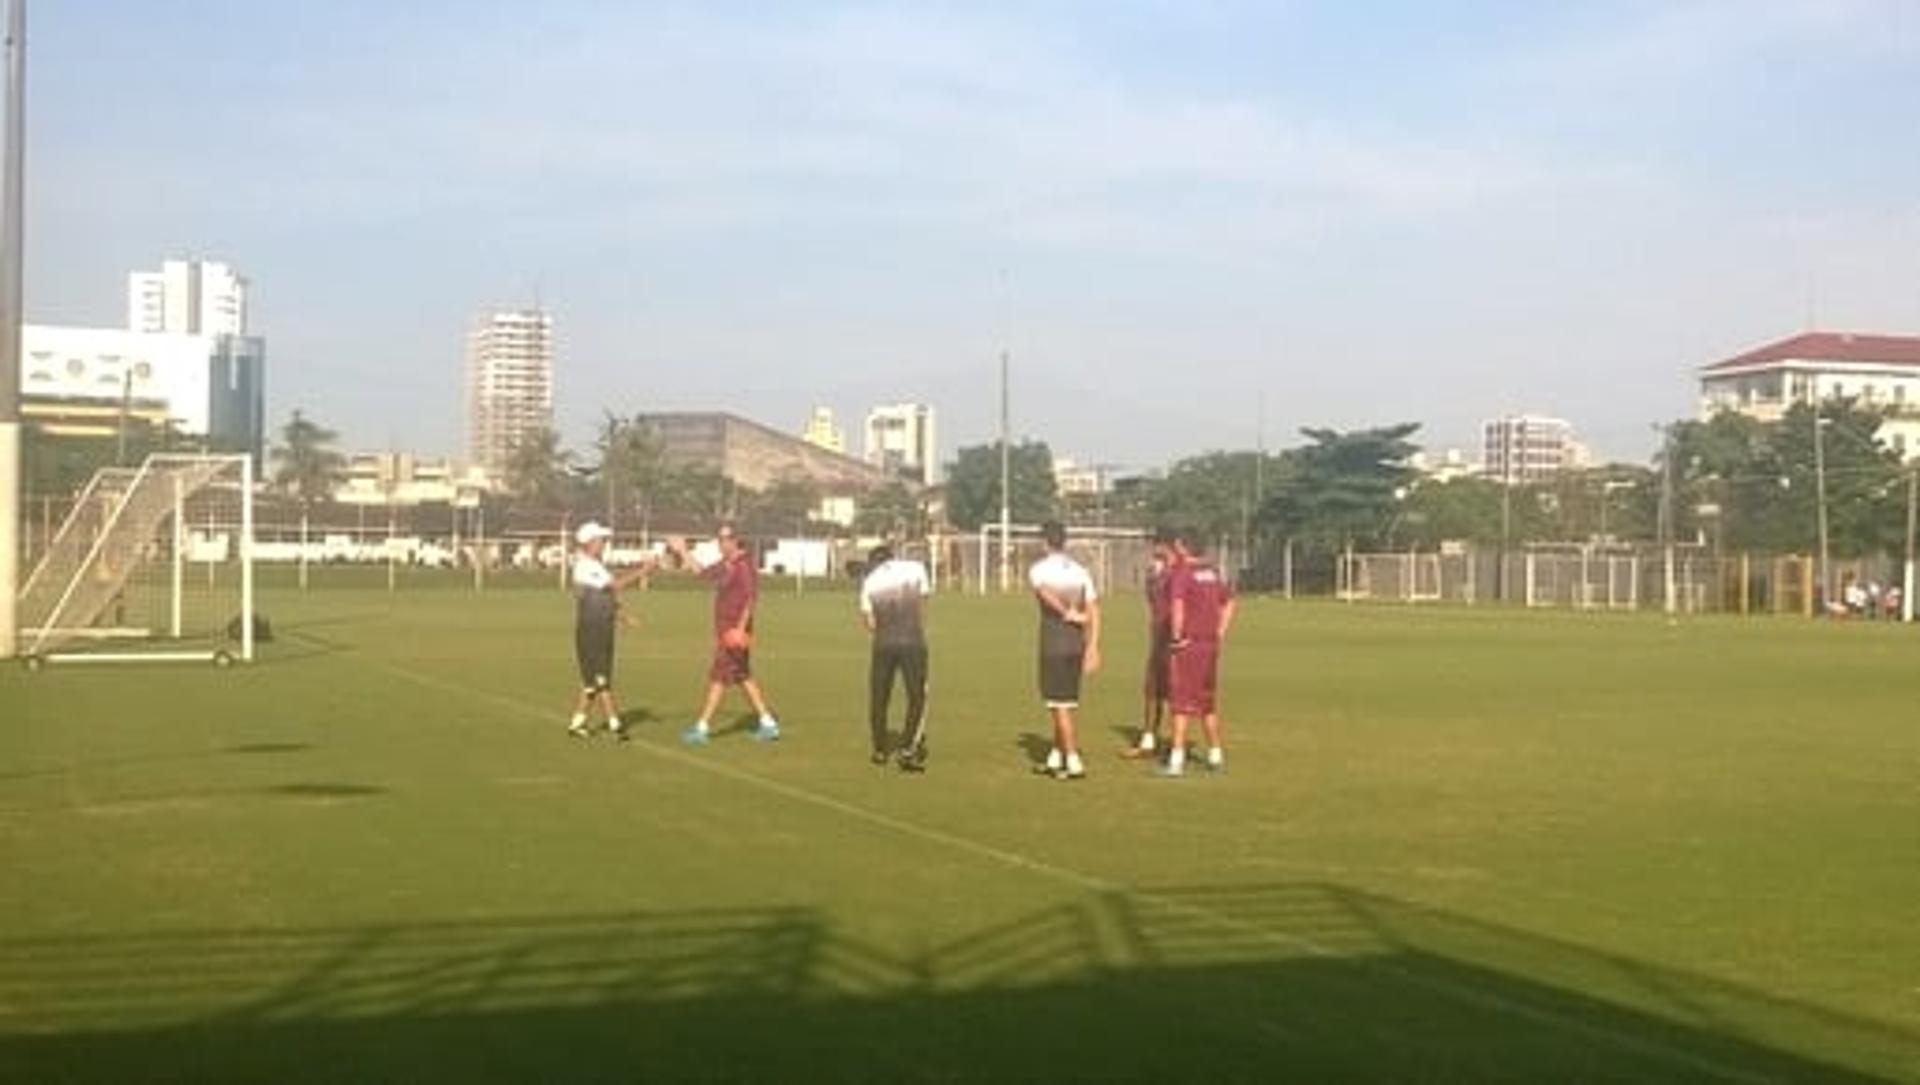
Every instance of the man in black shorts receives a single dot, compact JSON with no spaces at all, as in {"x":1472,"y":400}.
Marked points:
{"x":1069,"y":645}
{"x":596,"y":594}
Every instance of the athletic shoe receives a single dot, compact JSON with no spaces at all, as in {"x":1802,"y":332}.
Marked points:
{"x":914,"y":760}
{"x":578,"y":730}
{"x":878,"y":757}
{"x":1139,"y":753}
{"x":1065,"y":774}
{"x":694,"y":736}
{"x":1046,"y":770}
{"x":1218,"y":769}
{"x":767,"y":732}
{"x":618,"y":731}
{"x":1168,"y":772}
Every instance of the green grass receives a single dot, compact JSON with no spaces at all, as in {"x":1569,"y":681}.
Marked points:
{"x":1453,"y":845}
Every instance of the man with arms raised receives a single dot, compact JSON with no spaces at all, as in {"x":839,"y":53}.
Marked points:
{"x":596,"y":594}
{"x":1201,"y":608}
{"x":1069,"y":645}
{"x":892,"y":603}
{"x":736,"y":594}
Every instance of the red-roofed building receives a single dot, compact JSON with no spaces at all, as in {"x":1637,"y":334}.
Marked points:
{"x":1876,"y":370}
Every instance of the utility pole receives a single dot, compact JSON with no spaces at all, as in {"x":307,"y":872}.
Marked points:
{"x":12,"y":238}
{"x":1666,"y":516}
{"x":1906,"y":584}
{"x":1820,"y":500}
{"x":1006,"y":475}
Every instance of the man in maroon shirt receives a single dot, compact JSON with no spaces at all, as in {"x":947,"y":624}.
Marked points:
{"x":1159,"y":654}
{"x":736,"y":592}
{"x":1201,"y":608}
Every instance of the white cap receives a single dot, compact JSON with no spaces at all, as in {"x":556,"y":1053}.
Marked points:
{"x":591,"y":530}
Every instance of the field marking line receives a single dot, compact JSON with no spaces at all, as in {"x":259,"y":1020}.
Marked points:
{"x":1461,"y":992}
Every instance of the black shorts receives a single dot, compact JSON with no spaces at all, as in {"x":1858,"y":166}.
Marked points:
{"x":593,"y":650}
{"x":1060,"y":679}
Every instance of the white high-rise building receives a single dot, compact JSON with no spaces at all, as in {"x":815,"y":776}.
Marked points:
{"x":509,"y":384}
{"x":1527,"y":448}
{"x":900,"y":438}
{"x":188,"y":297}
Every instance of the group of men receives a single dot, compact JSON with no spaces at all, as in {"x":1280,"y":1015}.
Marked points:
{"x":1190,"y":610}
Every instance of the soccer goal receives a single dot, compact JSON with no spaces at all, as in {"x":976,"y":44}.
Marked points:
{"x":154,"y":563}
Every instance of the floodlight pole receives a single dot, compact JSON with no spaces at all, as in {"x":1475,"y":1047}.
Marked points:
{"x":12,"y":235}
{"x":1820,"y":502}
{"x":1006,"y":477}
{"x":1666,"y":517}
{"x":1906,"y":585}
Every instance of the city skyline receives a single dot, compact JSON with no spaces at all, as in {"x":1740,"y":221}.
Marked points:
{"x":1556,"y":211}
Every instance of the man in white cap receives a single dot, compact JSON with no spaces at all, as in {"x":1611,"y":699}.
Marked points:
{"x":596,"y":609}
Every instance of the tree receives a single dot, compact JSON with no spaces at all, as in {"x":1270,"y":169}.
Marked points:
{"x":1217,"y":494}
{"x":305,"y":464}
{"x":973,"y":485}
{"x":1758,"y":479}
{"x":892,"y":511}
{"x":539,"y":470}
{"x":788,"y":503}
{"x":1343,"y":488}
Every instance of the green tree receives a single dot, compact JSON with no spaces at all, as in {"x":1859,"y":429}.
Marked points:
{"x":892,"y":511}
{"x":1343,"y":488}
{"x":1217,"y":494}
{"x":786,"y":505}
{"x":539,"y":470}
{"x":306,"y":466}
{"x":973,"y":485}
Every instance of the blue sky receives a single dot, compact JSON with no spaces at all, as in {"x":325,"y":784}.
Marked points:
{"x":1178,"y":216}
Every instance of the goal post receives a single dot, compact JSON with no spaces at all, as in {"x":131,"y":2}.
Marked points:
{"x":152,"y":564}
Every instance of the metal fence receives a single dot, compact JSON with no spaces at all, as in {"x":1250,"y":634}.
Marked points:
{"x":1612,"y":577}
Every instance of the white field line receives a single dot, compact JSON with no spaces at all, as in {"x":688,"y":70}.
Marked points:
{"x":1460,"y":992}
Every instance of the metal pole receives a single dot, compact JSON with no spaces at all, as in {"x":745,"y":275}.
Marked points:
{"x":179,"y":551}
{"x":1006,"y":477}
{"x":1666,"y":518}
{"x":12,"y":236}
{"x":246,"y":558}
{"x":1820,"y":499}
{"x":303,"y":546}
{"x":1906,"y":583}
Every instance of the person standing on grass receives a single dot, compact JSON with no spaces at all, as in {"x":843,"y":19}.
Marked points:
{"x":736,"y":595}
{"x":893,"y":600}
{"x":596,"y":593}
{"x":1201,"y":607}
{"x":1159,"y":653}
{"x":1069,"y":646}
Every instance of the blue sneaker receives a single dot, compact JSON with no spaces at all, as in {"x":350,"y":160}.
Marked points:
{"x":695,"y":736}
{"x":767,"y":732}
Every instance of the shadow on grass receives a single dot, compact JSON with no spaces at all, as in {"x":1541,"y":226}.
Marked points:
{"x":325,"y":791}
{"x":1036,"y":746}
{"x":1293,"y":982}
{"x":268,"y":747}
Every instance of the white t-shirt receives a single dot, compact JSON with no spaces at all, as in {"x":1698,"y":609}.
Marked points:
{"x":891,"y":595}
{"x":1066,"y":578}
{"x":591,"y":573}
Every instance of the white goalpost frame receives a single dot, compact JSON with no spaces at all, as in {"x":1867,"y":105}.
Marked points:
{"x":244,"y":551}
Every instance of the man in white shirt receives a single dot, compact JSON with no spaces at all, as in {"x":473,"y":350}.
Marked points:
{"x":893,"y":605}
{"x":1069,"y":646}
{"x":596,"y":593}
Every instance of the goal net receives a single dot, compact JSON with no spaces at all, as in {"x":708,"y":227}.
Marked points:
{"x":153,"y":562}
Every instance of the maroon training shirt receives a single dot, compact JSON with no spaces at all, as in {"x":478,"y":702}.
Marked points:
{"x":736,"y":586}
{"x":1203,"y":589}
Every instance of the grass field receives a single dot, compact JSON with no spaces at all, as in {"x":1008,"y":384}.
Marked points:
{"x":1453,"y":845}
